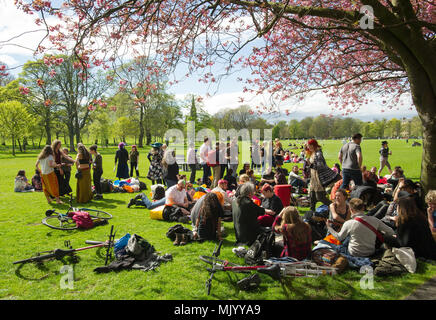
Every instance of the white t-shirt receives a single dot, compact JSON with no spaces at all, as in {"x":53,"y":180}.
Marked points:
{"x":204,"y":151}
{"x":191,"y":156}
{"x":173,"y":195}
{"x":45,"y":167}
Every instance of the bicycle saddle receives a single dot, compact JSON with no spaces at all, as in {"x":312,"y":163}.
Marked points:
{"x":250,"y":283}
{"x":273,"y":271}
{"x":49,"y":212}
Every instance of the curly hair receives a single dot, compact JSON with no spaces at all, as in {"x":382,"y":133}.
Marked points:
{"x":430,"y":197}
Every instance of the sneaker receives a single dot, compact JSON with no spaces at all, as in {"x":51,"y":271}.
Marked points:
{"x":131,"y":203}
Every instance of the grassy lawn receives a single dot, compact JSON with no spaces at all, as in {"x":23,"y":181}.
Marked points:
{"x":22,"y":234}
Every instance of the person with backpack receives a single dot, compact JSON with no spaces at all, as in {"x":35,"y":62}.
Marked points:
{"x":245,"y":213}
{"x":384,"y":154}
{"x":350,"y":157}
{"x":359,"y":234}
{"x":320,"y":174}
{"x":97,"y":166}
{"x":297,"y":234}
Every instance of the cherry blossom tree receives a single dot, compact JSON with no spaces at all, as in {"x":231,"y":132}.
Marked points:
{"x":352,"y":50}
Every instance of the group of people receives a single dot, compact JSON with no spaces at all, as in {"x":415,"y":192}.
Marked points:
{"x":53,"y":172}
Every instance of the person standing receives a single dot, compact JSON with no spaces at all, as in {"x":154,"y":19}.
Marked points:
{"x":155,"y":171}
{"x":233,"y":154}
{"x":192,"y":162}
{"x":384,"y":154}
{"x":350,"y":157}
{"x":64,"y":188}
{"x":214,"y":163}
{"x":97,"y":166}
{"x":67,"y":163}
{"x":320,"y":174}
{"x":122,"y":156}
{"x":204,"y":152}
{"x":83,"y":175}
{"x":134,"y":159}
{"x":50,"y":184}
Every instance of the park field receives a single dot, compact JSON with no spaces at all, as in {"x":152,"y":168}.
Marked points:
{"x":22,"y":235}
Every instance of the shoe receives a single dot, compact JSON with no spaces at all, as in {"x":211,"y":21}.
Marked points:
{"x":184,"y":239}
{"x":178,"y":239}
{"x":98,"y":197}
{"x":131,"y":203}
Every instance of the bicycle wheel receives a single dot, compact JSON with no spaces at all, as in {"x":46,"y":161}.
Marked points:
{"x":97,"y":214}
{"x":59,"y":222}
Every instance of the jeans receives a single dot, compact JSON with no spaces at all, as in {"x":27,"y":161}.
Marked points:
{"x":150,"y":204}
{"x":351,"y":174}
{"x":206,"y":173}
{"x":170,"y":183}
{"x":193,"y":168}
{"x":134,"y":165}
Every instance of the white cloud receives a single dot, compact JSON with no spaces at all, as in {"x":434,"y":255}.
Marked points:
{"x":9,"y":60}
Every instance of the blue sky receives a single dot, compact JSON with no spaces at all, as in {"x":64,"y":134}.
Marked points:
{"x":226,"y":95}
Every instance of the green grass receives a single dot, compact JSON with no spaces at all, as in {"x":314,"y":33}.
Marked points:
{"x":22,"y":234}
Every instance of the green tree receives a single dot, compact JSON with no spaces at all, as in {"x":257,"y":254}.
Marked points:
{"x":14,"y":121}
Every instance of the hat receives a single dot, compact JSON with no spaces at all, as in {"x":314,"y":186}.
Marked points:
{"x":222,"y":181}
{"x":384,"y":142}
{"x":156,"y":145}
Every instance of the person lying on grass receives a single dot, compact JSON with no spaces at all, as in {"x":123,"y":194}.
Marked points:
{"x":297,"y":235}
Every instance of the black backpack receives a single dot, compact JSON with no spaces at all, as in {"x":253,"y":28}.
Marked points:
{"x":317,"y":224}
{"x":261,"y":249}
{"x":178,"y":228}
{"x":369,"y":195}
{"x":106,"y":185}
{"x":142,"y":186}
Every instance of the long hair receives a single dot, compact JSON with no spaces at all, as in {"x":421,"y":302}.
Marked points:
{"x":55,"y":144}
{"x":408,"y":210}
{"x":81,"y":149}
{"x":211,"y":208}
{"x":314,"y":143}
{"x":298,"y":229}
{"x":45,"y":152}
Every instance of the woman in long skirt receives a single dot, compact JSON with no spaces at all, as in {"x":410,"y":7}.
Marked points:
{"x":59,"y":156}
{"x":122,"y":156}
{"x":83,"y":165}
{"x":49,"y":180}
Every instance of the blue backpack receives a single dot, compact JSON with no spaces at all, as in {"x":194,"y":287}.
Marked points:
{"x":322,"y":211}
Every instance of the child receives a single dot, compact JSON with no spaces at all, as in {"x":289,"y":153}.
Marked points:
{"x":21,"y":184}
{"x":36,"y":181}
{"x":97,"y":165}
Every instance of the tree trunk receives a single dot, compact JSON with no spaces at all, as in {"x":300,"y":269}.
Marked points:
{"x":19,"y":145}
{"x":48,"y":132}
{"x":71,"y":135}
{"x":148,"y":137}
{"x":141,"y":128}
{"x":13,"y":145}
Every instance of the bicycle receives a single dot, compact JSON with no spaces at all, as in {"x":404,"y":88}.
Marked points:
{"x":276,"y":268}
{"x":59,"y":254}
{"x":62,"y":221}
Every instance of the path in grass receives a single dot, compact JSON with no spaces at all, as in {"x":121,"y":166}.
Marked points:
{"x":22,"y":234}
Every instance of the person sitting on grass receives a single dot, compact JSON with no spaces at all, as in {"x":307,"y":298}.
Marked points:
{"x":272,"y":204}
{"x":243,"y":178}
{"x":222,"y":188}
{"x":250,"y":174}
{"x":430,"y":200}
{"x":21,"y":183}
{"x":295,"y":179}
{"x":357,"y":237}
{"x":176,"y":197}
{"x":339,"y":210}
{"x":244,"y":169}
{"x":245,"y":213}
{"x":36,"y":181}
{"x":297,"y":235}
{"x":395,"y":177}
{"x":208,"y":219}
{"x":231,"y":180}
{"x":412,"y":230}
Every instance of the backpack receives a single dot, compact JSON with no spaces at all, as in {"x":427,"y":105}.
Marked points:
{"x":106,"y":185}
{"x":322,"y":211}
{"x":82,"y":219}
{"x":369,"y":195}
{"x":261,"y":249}
{"x":317,"y":224}
{"x":178,"y":228}
{"x":142,"y":186}
{"x":171,"y":213}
